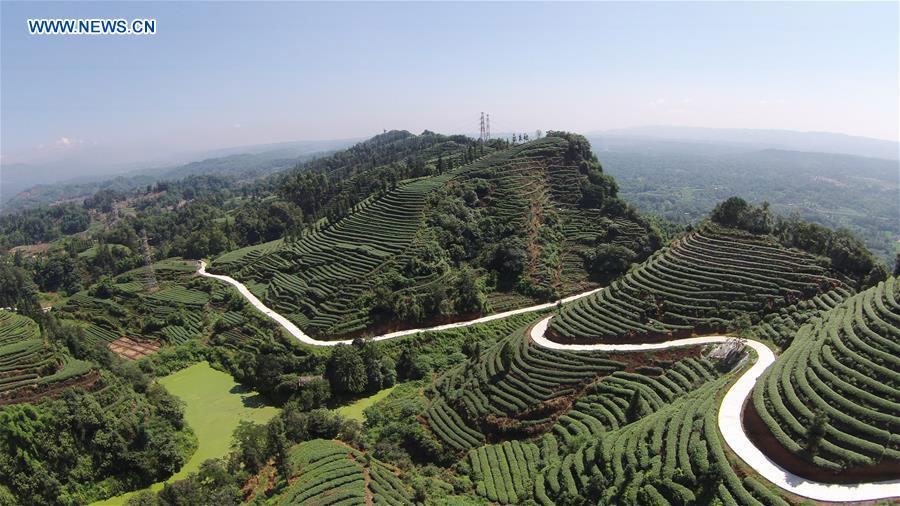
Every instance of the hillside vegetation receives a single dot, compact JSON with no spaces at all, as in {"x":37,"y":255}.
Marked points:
{"x":31,"y":367}
{"x":406,"y":231}
{"x":728,"y":273}
{"x":528,"y":423}
{"x":478,"y":230}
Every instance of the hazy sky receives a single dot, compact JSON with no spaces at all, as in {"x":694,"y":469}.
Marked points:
{"x":225,"y":74}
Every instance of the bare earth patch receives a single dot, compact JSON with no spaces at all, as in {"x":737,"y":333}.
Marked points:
{"x":133,"y":349}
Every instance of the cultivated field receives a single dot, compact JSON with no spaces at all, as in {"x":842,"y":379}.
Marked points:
{"x":29,"y":367}
{"x":700,"y":283}
{"x":829,"y":408}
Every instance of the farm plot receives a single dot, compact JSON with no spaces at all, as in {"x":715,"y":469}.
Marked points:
{"x":829,"y":408}
{"x":513,"y":388}
{"x":29,"y":367}
{"x":700,"y":283}
{"x":504,"y":473}
{"x":132,"y":349}
{"x":331,"y":472}
{"x":516,"y":389}
{"x":673,"y":455}
{"x":183,"y":308}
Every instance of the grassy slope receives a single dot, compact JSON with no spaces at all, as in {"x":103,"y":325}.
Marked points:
{"x":214,"y":404}
{"x":355,"y":410}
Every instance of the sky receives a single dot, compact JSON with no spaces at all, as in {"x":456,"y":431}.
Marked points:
{"x":228,"y":74}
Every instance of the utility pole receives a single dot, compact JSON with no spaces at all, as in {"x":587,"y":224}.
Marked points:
{"x":482,"y":131}
{"x":150,"y":276}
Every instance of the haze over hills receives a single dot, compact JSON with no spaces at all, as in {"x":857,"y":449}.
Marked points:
{"x":749,"y":138}
{"x":683,"y":180}
{"x":25,"y":186}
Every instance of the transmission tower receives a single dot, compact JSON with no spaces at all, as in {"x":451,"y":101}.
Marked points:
{"x":487,"y":128}
{"x":150,"y":276}
{"x":481,"y":135}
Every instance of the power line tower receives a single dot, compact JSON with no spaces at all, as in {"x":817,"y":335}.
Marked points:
{"x":487,"y":128}
{"x":481,"y":135}
{"x":150,"y":276}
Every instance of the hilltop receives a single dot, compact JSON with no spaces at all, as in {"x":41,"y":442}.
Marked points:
{"x":457,"y":229}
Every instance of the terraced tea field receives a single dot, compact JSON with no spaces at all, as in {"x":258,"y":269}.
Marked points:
{"x":330,"y":472}
{"x":699,"y":284}
{"x":621,"y":428}
{"x":638,"y":423}
{"x":535,"y":187}
{"x":317,"y":280}
{"x":830,"y":406}
{"x":29,"y":367}
{"x":183,"y":308}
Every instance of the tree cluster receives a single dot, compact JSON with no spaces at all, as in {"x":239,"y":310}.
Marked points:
{"x":359,"y":368}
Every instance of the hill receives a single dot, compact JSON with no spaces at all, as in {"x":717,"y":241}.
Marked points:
{"x":829,"y":408}
{"x":402,"y":231}
{"x":639,"y":427}
{"x":566,"y":427}
{"x":702,"y":282}
{"x":471,"y":232}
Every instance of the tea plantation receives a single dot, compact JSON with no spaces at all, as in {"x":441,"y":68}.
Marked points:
{"x":700,"y":283}
{"x":29,"y":366}
{"x":832,"y":400}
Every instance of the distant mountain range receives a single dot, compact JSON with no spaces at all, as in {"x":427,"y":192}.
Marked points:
{"x":683,"y":180}
{"x":26,"y":185}
{"x":754,"y":139}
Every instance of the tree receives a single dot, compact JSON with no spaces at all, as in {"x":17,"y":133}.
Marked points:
{"x":16,"y":289}
{"x":371,"y":359}
{"x":816,"y":431}
{"x":279,"y":447}
{"x":637,"y":406}
{"x":345,"y":370}
{"x":470,"y":297}
{"x":736,"y":212}
{"x":509,"y":261}
{"x":249,"y":439}
{"x":313,"y":393}
{"x":410,"y":365}
{"x":609,"y":260}
{"x":597,"y":188}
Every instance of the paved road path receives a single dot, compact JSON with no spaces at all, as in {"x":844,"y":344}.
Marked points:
{"x":302,"y":337}
{"x":729,"y":412}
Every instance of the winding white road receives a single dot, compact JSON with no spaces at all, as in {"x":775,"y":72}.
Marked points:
{"x":303,"y":338}
{"x":729,"y":412}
